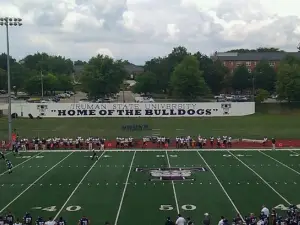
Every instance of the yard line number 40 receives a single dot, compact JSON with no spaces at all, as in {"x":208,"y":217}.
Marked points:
{"x":72,"y":208}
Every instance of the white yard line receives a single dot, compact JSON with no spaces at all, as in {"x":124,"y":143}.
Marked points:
{"x":21,"y":163}
{"x":44,"y":174}
{"x":283,"y":198}
{"x":222,"y":187}
{"x":293,"y":152}
{"x":171,"y":150}
{"x":280,"y":163}
{"x":174,"y":190}
{"x":124,"y":190}
{"x":75,"y":189}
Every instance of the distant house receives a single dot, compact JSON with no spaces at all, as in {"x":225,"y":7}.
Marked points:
{"x":234,"y":59}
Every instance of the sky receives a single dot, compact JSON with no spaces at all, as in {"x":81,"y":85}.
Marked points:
{"x":138,"y":30}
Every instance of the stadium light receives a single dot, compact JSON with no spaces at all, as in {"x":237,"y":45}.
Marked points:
{"x":9,"y":22}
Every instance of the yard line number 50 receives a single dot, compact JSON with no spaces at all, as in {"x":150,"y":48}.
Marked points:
{"x":187,"y":207}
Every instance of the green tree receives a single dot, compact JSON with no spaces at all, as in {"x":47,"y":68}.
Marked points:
{"x":3,"y":61}
{"x":3,"y":79}
{"x":261,"y":95}
{"x":260,"y":49}
{"x":187,"y":80}
{"x":288,"y":82}
{"x":214,"y":72}
{"x":241,"y":79}
{"x":145,"y":83}
{"x":264,"y":76}
{"x":46,"y":63}
{"x":103,"y":76}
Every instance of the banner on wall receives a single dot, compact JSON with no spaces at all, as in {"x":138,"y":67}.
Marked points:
{"x":197,"y":109}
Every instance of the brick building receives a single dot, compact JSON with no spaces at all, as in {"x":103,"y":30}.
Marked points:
{"x":234,"y":59}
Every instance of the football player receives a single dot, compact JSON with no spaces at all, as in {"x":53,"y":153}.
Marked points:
{"x":84,"y":221}
{"x":61,"y":221}
{"x":40,"y":221}
{"x":2,"y":220}
{"x":27,"y":219}
{"x":94,"y":155}
{"x":9,"y":166}
{"x":169,"y":221}
{"x":10,"y":218}
{"x":2,"y":156}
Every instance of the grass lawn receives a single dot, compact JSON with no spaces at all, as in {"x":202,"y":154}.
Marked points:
{"x":254,"y":126}
{"x":112,"y":189}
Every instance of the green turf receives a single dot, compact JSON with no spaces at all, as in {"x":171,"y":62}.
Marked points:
{"x":255,"y":126}
{"x":60,"y":181}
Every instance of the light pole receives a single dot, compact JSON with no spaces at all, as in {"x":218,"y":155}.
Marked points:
{"x":9,"y":22}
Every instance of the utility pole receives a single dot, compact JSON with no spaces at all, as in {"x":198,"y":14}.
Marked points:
{"x":9,"y":22}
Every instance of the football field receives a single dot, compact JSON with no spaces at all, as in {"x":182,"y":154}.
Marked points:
{"x":145,"y":186}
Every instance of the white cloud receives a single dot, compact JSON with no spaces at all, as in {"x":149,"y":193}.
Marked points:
{"x":138,"y":30}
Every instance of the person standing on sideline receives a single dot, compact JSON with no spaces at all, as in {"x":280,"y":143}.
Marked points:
{"x":221,"y":222}
{"x":169,"y":221}
{"x":273,"y":144}
{"x":180,"y":220}
{"x":206,"y":220}
{"x":18,"y":222}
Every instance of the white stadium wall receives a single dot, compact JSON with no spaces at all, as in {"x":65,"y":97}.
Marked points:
{"x":184,"y":109}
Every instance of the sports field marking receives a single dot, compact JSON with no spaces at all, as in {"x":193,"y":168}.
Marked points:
{"x":174,"y":190}
{"x":75,"y":189}
{"x":124,"y":190}
{"x":34,"y":182}
{"x":170,"y":150}
{"x":293,"y":152}
{"x":21,"y":163}
{"x":280,"y":163}
{"x":283,"y":198}
{"x":225,"y":192}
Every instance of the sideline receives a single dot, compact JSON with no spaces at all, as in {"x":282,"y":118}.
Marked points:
{"x":171,"y":150}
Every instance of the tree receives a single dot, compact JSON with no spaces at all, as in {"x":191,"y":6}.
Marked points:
{"x":145,"y":83}
{"x":3,"y":79}
{"x":264,"y":77}
{"x":187,"y":80}
{"x":261,"y":95}
{"x":159,"y":67}
{"x":260,"y":49}
{"x":241,"y":79}
{"x":288,"y":82}
{"x":3,"y":61}
{"x":102,"y":76}
{"x":214,"y":72}
{"x":46,"y":63}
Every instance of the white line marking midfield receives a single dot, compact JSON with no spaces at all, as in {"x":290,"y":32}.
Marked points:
{"x":21,"y":163}
{"x":174,"y":190}
{"x":283,"y":198}
{"x":75,"y":189}
{"x":124,"y":190}
{"x":280,"y":163}
{"x":225,"y":192}
{"x":34,"y":182}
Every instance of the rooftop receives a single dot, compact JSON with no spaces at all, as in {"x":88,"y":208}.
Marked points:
{"x":254,"y":56}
